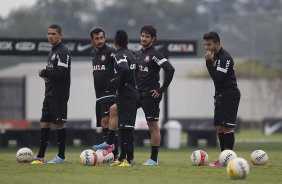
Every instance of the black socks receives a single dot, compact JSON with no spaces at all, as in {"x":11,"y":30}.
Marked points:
{"x":229,"y":140}
{"x":61,"y":141}
{"x":44,"y":140}
{"x":221,"y":140}
{"x":154,"y":153}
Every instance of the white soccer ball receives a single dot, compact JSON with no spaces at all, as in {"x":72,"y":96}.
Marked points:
{"x":105,"y":156}
{"x":259,"y":157}
{"x":238,"y":168}
{"x":88,"y":158}
{"x":225,"y":157}
{"x":199,"y":158}
{"x":24,"y":155}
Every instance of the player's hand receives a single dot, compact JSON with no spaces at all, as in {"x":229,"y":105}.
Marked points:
{"x":209,"y":55}
{"x":155,"y":93}
{"x":45,"y":79}
{"x":39,"y":72}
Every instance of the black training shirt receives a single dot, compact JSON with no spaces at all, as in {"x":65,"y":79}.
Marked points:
{"x":221,"y":70}
{"x":58,"y":70}
{"x":126,"y":68}
{"x":150,"y":61}
{"x":103,"y":73}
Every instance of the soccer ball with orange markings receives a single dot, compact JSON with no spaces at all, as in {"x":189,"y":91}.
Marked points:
{"x":199,"y":158}
{"x":88,"y":158}
{"x":104,"y":156}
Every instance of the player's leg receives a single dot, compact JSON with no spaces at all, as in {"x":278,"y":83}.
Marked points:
{"x":126,"y":106}
{"x":151,"y":109}
{"x":111,"y":131}
{"x":112,"y":137}
{"x":59,"y":114}
{"x":230,"y":103}
{"x":44,"y":133}
{"x":217,"y":126}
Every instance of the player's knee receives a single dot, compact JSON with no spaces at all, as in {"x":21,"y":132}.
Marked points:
{"x":113,"y":109}
{"x":153,"y":126}
{"x":44,"y":125}
{"x":228,"y":129}
{"x":219,"y":129}
{"x":59,"y":125}
{"x":105,"y":122}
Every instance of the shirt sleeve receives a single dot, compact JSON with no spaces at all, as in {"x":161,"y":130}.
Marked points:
{"x":123,"y":68}
{"x":223,"y":65}
{"x":62,"y":70}
{"x":168,"y":69}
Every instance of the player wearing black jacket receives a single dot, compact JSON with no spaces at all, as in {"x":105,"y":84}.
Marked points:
{"x":150,"y":62}
{"x":227,"y":95}
{"x":125,"y":79}
{"x":56,"y":76}
{"x":103,"y":75}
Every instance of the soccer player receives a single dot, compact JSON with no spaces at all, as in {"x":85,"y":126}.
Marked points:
{"x":220,"y":66}
{"x":150,"y":61}
{"x":126,"y":101}
{"x":103,"y":74}
{"x":56,"y":76}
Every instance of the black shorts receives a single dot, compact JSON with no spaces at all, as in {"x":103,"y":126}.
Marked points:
{"x":150,"y":106}
{"x":126,"y":107}
{"x":102,"y":110}
{"x":226,"y":108}
{"x":54,"y":111}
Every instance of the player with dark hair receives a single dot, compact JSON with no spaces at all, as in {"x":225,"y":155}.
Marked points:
{"x":103,"y":74}
{"x":56,"y":76}
{"x":220,"y":66}
{"x":126,"y":101}
{"x":150,"y":62}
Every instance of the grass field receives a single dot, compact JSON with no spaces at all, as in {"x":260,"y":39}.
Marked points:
{"x":175,"y":166}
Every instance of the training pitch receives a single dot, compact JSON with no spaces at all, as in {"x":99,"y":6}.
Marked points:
{"x":175,"y":166}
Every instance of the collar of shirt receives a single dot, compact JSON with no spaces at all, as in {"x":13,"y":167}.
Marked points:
{"x":58,"y":45}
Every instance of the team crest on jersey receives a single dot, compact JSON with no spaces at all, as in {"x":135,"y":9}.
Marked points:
{"x":53,"y":57}
{"x":103,"y":58}
{"x":147,"y":58}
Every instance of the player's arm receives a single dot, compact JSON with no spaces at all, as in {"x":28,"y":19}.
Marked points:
{"x":122,"y":64}
{"x":169,"y":71}
{"x":62,"y":70}
{"x":219,"y":73}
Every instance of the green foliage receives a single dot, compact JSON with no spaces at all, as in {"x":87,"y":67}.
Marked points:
{"x":257,"y":70}
{"x":249,"y":70}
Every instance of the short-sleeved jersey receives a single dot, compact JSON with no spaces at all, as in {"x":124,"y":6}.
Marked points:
{"x":150,"y":61}
{"x":58,"y":71}
{"x":221,"y":70}
{"x":103,"y":73}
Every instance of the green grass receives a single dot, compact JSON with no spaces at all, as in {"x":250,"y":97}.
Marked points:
{"x":175,"y":166}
